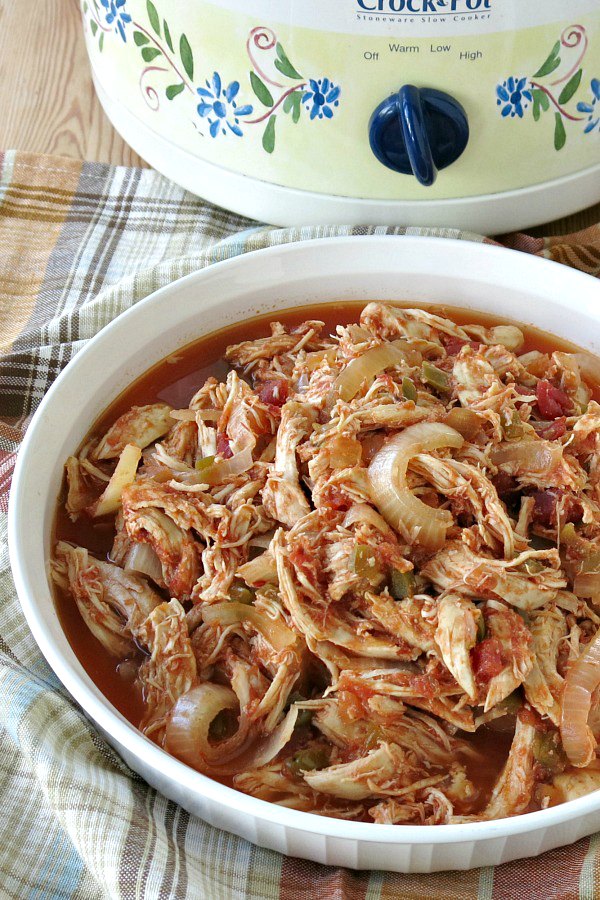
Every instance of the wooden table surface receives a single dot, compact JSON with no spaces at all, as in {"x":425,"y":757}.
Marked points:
{"x":47,"y":99}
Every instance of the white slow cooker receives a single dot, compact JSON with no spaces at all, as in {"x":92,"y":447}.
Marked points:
{"x":481,"y":114}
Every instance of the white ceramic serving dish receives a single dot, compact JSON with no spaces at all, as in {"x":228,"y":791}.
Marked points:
{"x":482,"y":277}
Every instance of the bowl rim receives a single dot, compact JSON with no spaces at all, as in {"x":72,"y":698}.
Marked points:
{"x":107,"y":717}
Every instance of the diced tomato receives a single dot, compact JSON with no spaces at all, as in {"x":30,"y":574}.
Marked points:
{"x":487,"y":659}
{"x":551,"y":401}
{"x":544,"y":509}
{"x":546,"y":505}
{"x":454,"y":345}
{"x":551,"y":431}
{"x":274,"y":393}
{"x":505,"y":483}
{"x":224,"y":446}
{"x":573,"y":509}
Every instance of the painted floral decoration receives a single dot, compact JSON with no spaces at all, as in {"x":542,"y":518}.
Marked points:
{"x":516,"y":96}
{"x":169,"y":72}
{"x":220,"y":107}
{"x":322,"y":95}
{"x":592,"y":109}
{"x":549,"y":91}
{"x":289,"y":98}
{"x":116,"y":14}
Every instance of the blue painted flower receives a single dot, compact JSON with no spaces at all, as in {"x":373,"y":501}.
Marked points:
{"x":592,"y":108}
{"x":220,"y":107}
{"x":515,"y":95}
{"x":116,"y":14}
{"x":321,"y":95}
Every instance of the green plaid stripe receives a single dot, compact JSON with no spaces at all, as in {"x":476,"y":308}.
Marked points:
{"x":76,"y":822}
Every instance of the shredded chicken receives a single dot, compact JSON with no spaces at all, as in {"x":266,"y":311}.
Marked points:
{"x":170,"y":669}
{"x":355,"y":556}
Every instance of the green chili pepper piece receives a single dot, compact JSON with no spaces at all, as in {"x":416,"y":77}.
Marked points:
{"x":374,"y":737}
{"x":434,"y":377}
{"x":366,"y":564}
{"x":304,"y":718}
{"x":512,"y":703}
{"x":481,"y":628}
{"x":308,"y":760}
{"x":548,"y":751}
{"x":239,"y":593}
{"x":568,"y":534}
{"x":402,"y":584}
{"x":408,"y":389}
{"x":304,"y":715}
{"x":513,"y":427}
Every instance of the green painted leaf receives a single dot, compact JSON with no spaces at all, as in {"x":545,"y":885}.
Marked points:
{"x":292,"y":104}
{"x":268,"y":139}
{"x":94,"y":27}
{"x":540,"y":103}
{"x":187,"y":57}
{"x":570,"y":87}
{"x":261,"y":90}
{"x":560,"y":135}
{"x":551,"y":63}
{"x":153,"y":16}
{"x":283,"y":64}
{"x":139,"y":38}
{"x":150,"y":53}
{"x":85,"y":8}
{"x":173,"y":90}
{"x":101,"y":42}
{"x":168,"y":37}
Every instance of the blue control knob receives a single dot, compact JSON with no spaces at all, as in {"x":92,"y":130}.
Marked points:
{"x":418,"y":131}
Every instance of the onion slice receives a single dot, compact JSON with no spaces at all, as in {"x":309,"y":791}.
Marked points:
{"x":267,"y":747}
{"x":189,"y":724}
{"x":183,"y":415}
{"x":413,"y":519}
{"x":589,"y":365}
{"x":188,"y":729}
{"x":142,"y":560}
{"x":217,"y":472}
{"x":362,"y":512}
{"x":275,"y":632}
{"x":582,"y":680}
{"x":534,"y":457}
{"x":465,"y":421}
{"x":367,"y":366}
{"x":123,"y":476}
{"x":259,"y":571}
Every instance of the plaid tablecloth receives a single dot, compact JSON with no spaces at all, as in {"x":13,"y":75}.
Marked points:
{"x":80,"y":243}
